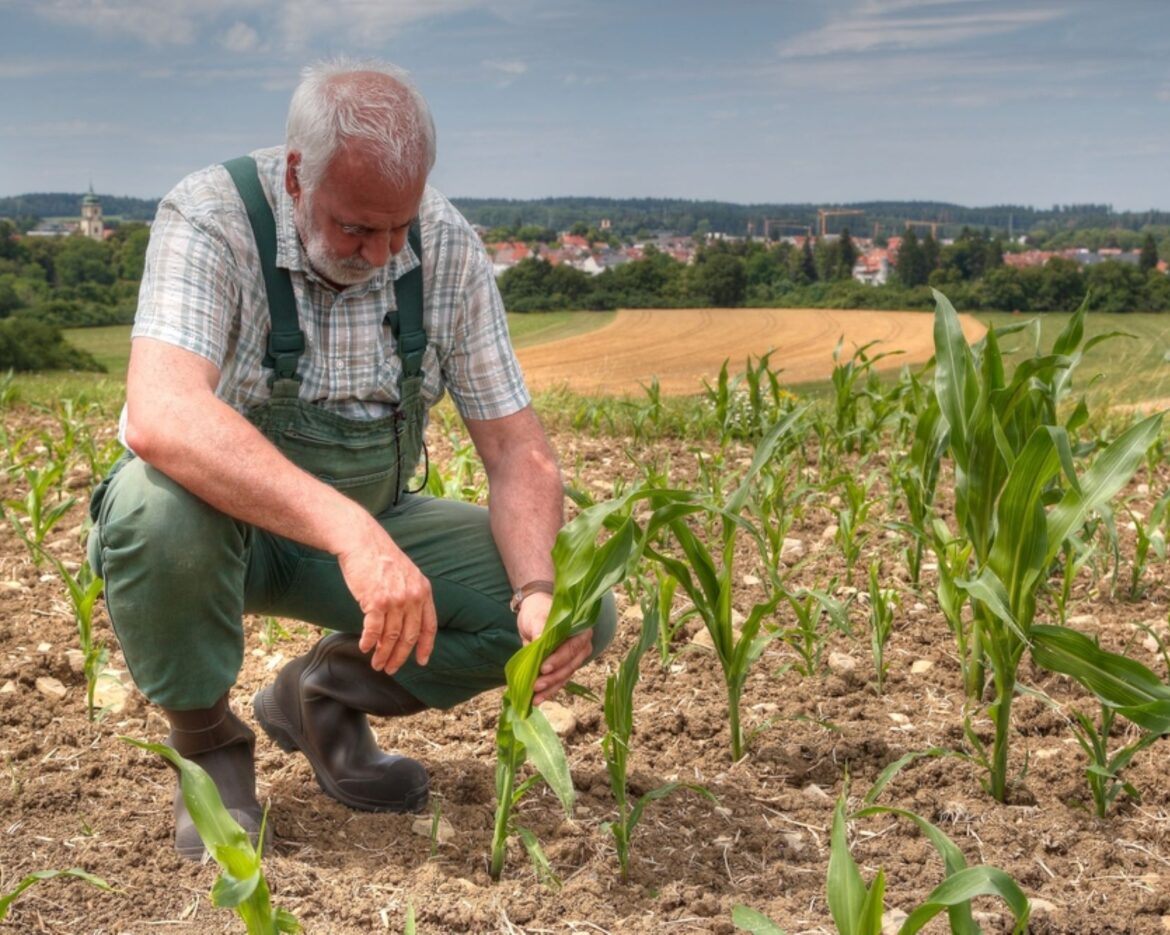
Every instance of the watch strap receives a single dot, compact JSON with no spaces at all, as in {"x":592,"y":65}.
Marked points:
{"x":526,"y":590}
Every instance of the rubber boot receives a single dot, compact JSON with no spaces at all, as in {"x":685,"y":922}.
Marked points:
{"x":318,"y":705}
{"x":223,"y":745}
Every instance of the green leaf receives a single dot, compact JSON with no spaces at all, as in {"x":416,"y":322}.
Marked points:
{"x":846,"y":890}
{"x":227,"y":892}
{"x":548,"y":756}
{"x":748,"y":920}
{"x":39,"y":876}
{"x":544,"y":870}
{"x":964,"y":886}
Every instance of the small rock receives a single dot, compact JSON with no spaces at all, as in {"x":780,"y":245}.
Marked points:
{"x":1042,"y":905}
{"x":1047,"y":753}
{"x":12,"y":586}
{"x":1142,"y":490}
{"x":46,"y":578}
{"x":1084,"y":622}
{"x":829,"y":533}
{"x":50,"y":687}
{"x":1166,"y":923}
{"x":111,"y":692}
{"x":918,"y":666}
{"x":835,"y":502}
{"x":816,"y":793}
{"x":44,"y":647}
{"x":892,"y":921}
{"x":988,"y":921}
{"x":702,"y":639}
{"x":898,"y":717}
{"x":791,"y":550}
{"x":633,"y":612}
{"x":9,"y":688}
{"x":841,"y":663}
{"x":750,"y":580}
{"x":444,"y":834}
{"x":563,"y":721}
{"x":794,"y":842}
{"x":76,"y":660}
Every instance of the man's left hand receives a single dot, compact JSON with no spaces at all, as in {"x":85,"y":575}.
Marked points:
{"x":558,"y":668}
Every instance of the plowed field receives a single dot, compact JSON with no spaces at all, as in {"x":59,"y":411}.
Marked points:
{"x":683,"y":347}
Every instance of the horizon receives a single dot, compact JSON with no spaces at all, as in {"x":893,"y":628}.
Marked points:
{"x":975,"y":103}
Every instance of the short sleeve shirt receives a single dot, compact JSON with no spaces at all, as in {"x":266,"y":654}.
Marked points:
{"x":202,"y":291}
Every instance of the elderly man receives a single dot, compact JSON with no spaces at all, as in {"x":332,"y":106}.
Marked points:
{"x":300,"y":311}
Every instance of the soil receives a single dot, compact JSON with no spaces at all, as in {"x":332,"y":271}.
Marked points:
{"x":689,"y":345}
{"x":73,"y":795}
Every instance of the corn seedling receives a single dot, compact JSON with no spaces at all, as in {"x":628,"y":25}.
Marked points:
{"x":809,"y":638}
{"x":707,"y":581}
{"x":619,"y":718}
{"x":39,"y":511}
{"x":40,"y":876}
{"x":241,"y":884}
{"x":585,"y":572}
{"x":9,"y":391}
{"x":460,"y":477}
{"x":852,"y":519}
{"x":849,"y":388}
{"x":1151,"y":537}
{"x":84,"y":589}
{"x":1103,"y":774}
{"x":882,"y":602}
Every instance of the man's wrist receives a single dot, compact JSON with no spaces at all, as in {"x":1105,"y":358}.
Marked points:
{"x":525,"y":591}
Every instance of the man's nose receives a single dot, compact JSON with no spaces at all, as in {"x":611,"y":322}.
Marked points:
{"x":377,"y":247}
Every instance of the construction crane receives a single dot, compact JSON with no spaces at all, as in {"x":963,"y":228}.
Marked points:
{"x":933,"y":225}
{"x":823,"y":214}
{"x":770,"y":223}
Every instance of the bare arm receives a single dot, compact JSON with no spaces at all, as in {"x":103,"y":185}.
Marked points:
{"x":526,"y":508}
{"x":176,"y":423}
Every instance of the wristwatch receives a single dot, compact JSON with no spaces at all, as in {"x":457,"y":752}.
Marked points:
{"x":532,"y":587}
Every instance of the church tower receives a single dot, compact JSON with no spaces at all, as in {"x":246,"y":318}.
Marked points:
{"x":91,"y":216}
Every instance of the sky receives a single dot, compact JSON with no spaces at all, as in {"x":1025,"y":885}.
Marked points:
{"x":974,"y":102}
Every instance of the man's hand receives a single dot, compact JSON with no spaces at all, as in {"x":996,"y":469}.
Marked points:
{"x":558,"y":668}
{"x":395,"y":598}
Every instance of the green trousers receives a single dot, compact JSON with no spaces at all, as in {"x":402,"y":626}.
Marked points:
{"x":179,"y":575}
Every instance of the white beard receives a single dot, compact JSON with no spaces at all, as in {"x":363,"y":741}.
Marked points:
{"x":349,"y":271}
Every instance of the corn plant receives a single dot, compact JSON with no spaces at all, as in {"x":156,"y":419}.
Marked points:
{"x":585,"y":572}
{"x":857,"y":908}
{"x":1103,"y":774}
{"x":619,"y":718}
{"x":460,"y":477}
{"x":882,"y":603}
{"x":708,"y":579}
{"x":9,"y":391}
{"x":241,"y":884}
{"x":34,"y":516}
{"x":987,"y":420}
{"x":1150,"y":537}
{"x":1027,"y":539}
{"x":747,"y":412}
{"x":84,"y":589}
{"x":808,"y":638}
{"x":852,"y":519}
{"x":39,"y":876}
{"x":849,"y":379}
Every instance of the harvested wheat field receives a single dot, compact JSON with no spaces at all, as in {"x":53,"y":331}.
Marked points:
{"x":683,"y":347}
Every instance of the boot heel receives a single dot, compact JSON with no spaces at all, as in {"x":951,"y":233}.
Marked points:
{"x":269,"y":716}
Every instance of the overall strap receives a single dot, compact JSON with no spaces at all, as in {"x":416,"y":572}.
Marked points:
{"x":406,"y":324}
{"x":286,"y":341}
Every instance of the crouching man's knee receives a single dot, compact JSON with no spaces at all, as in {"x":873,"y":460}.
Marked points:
{"x":605,"y":627}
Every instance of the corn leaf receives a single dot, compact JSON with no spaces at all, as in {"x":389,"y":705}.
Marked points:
{"x":1118,"y":681}
{"x":544,"y":747}
{"x":39,"y":876}
{"x":748,"y":920}
{"x":846,"y":890}
{"x":962,"y":887}
{"x":954,"y":374}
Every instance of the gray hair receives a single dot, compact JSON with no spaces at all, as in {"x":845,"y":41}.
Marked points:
{"x":341,"y":101}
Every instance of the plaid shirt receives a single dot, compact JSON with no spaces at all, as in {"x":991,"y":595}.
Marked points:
{"x":202,"y":291}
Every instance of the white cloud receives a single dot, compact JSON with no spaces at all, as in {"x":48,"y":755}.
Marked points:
{"x":365,"y":23}
{"x":156,"y":22}
{"x":512,"y":69}
{"x":240,"y":37}
{"x":906,"y":24}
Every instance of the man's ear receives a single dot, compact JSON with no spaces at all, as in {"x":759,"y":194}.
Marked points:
{"x":292,"y":182}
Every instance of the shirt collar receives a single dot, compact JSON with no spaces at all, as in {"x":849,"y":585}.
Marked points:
{"x":290,"y":254}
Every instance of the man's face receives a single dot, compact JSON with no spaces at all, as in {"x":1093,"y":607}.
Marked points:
{"x":354,"y":220}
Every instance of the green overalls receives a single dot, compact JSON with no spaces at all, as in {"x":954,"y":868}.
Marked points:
{"x":179,"y":574}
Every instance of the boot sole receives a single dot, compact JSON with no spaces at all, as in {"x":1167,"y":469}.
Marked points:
{"x":273,"y":722}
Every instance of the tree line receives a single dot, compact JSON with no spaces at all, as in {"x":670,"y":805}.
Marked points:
{"x":49,"y":283}
{"x":818,"y":274}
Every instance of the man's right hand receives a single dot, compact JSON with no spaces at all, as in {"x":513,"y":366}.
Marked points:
{"x":395,"y":598}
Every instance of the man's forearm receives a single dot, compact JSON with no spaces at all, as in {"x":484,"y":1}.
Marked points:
{"x":526,"y":507}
